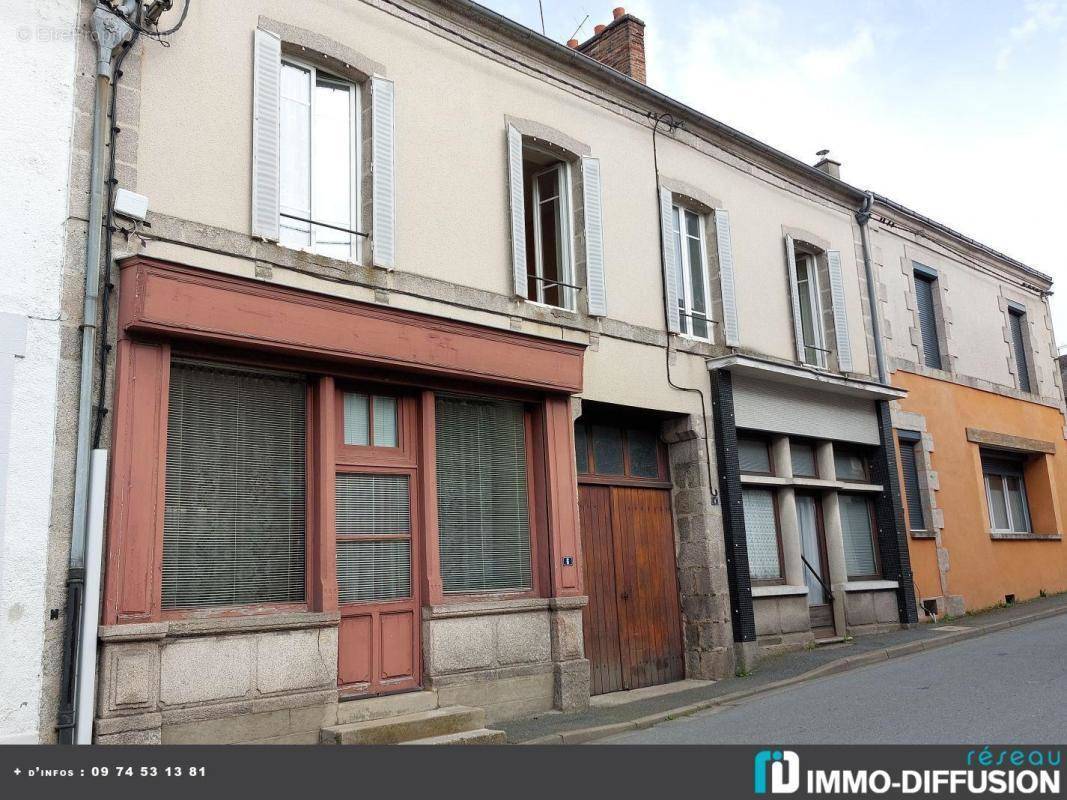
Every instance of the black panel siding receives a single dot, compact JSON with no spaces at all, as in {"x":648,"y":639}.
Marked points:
{"x":889,"y":512}
{"x":733,"y":519}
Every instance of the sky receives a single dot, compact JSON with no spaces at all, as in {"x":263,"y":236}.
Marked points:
{"x":955,"y":108}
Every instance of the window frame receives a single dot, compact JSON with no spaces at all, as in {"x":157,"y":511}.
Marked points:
{"x":775,"y":504}
{"x":356,"y":178}
{"x":814,"y":292}
{"x":991,"y":473}
{"x":663,"y":480}
{"x":763,"y":440}
{"x":929,"y":278}
{"x":180,"y":354}
{"x":872,"y":516}
{"x":684,"y":267}
{"x":406,"y":426}
{"x":564,"y":218}
{"x":1018,"y":316}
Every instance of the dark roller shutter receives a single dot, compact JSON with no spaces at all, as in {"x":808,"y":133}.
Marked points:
{"x":912,"y":490}
{"x":924,"y":296}
{"x":233,"y":530}
{"x":1022,"y":369}
{"x":482,"y":502}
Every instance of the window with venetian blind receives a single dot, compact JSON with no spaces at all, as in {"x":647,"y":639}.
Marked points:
{"x":482,"y":496}
{"x":234,"y":515}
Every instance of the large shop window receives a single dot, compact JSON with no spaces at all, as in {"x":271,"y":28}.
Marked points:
{"x":233,"y":527}
{"x":1005,"y":489}
{"x":482,"y":495}
{"x":857,"y":529}
{"x":761,"y":533}
{"x":319,"y":172}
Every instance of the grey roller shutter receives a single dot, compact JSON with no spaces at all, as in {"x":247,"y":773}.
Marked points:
{"x":1017,"y":321}
{"x":730,"y":327}
{"x":794,"y":296}
{"x":266,"y":135}
{"x":924,"y":299}
{"x":482,"y":501}
{"x":670,"y":265}
{"x":383,"y":167}
{"x":857,"y":530}
{"x":912,"y":488}
{"x":518,"y":213}
{"x":837,"y":298}
{"x":594,"y":237}
{"x":233,"y":526}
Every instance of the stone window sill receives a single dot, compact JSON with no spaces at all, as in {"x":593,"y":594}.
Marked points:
{"x":502,"y":606}
{"x":869,"y":586}
{"x":778,"y":590}
{"x":1008,"y":536}
{"x":922,"y":534}
{"x":209,"y":626}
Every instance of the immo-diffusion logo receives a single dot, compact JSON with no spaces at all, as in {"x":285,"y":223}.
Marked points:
{"x":784,"y":769}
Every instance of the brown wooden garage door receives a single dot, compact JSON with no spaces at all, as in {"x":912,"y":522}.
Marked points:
{"x":632,"y":625}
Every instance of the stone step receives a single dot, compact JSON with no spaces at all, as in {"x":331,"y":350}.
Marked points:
{"x":393,"y":705}
{"x":405,"y":727}
{"x":477,"y":736}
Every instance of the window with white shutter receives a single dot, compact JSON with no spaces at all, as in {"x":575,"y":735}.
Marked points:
{"x":319,"y":179}
{"x":691,"y":271}
{"x":233,"y":523}
{"x":482,"y":495}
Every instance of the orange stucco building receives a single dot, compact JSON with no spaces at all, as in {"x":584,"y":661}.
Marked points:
{"x":978,"y":566}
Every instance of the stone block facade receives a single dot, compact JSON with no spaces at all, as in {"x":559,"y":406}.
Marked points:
{"x":512,"y":657}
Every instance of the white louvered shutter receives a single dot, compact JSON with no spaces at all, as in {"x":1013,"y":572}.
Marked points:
{"x":266,"y":135}
{"x":837,"y":297}
{"x":794,"y":293}
{"x":594,"y":237}
{"x":670,"y":267}
{"x":518,"y":213}
{"x":730,"y":327}
{"x":383,"y":166}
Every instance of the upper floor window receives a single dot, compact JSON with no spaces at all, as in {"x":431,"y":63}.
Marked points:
{"x":1017,"y":325}
{"x":926,"y":306}
{"x":549,"y":256}
{"x":1009,"y":511}
{"x":547,"y":184}
{"x":850,"y":464}
{"x":309,"y":151}
{"x":611,"y":450}
{"x":319,"y":179}
{"x":754,"y":456}
{"x":802,"y":457}
{"x":808,"y":295}
{"x":691,"y":264}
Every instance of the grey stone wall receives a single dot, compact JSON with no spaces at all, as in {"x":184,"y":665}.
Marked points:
{"x":511,"y":657}
{"x":257,"y":679}
{"x":782,"y":623}
{"x":700,"y":552}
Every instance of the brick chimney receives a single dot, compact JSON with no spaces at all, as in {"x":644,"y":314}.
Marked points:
{"x":619,"y":44}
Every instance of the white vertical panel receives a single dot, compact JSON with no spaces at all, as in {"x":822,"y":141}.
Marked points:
{"x":670,"y":267}
{"x":594,"y":237}
{"x":518,"y":212}
{"x":730,"y":326}
{"x":794,"y":292}
{"x":266,"y":108}
{"x":383,"y":167}
{"x":837,"y":297}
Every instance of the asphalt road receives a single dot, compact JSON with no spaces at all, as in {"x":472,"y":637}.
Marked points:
{"x":1007,"y":688}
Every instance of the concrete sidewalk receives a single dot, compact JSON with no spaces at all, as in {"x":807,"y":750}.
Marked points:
{"x":772,"y":675}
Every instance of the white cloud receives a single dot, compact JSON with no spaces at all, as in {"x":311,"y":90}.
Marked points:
{"x":1042,"y":16}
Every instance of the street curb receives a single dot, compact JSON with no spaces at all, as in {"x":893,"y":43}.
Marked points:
{"x":847,"y":664}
